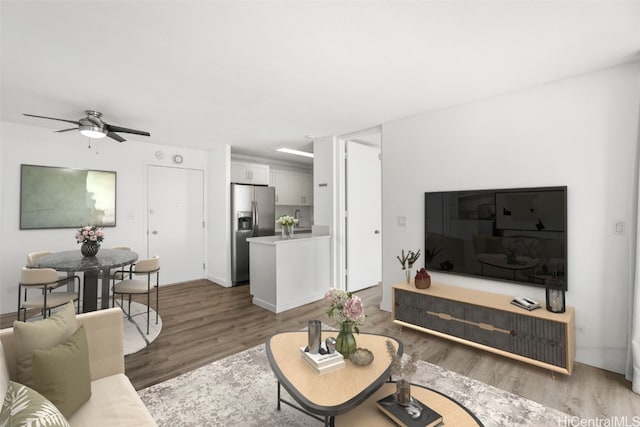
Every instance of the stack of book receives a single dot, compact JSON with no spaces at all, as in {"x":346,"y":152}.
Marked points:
{"x":526,"y":303}
{"x":322,"y":363}
{"x":417,"y":414}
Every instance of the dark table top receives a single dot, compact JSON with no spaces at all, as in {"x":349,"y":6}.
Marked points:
{"x":75,"y":261}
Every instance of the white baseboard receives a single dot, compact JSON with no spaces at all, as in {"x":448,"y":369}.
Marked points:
{"x":219,"y":280}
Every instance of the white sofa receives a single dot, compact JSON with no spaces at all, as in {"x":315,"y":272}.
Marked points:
{"x":114,"y":401}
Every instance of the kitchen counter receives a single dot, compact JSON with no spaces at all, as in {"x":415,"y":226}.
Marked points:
{"x":278,"y":239}
{"x":296,"y":230}
{"x":288,"y":273}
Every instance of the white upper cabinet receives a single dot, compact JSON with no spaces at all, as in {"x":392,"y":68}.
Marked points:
{"x":249,"y":173}
{"x":301,"y":187}
{"x":292,"y":188}
{"x":280,"y":180}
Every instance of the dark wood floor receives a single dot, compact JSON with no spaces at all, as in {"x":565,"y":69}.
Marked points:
{"x":203,"y":322}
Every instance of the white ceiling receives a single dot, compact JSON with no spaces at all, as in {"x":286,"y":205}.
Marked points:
{"x":258,"y":75}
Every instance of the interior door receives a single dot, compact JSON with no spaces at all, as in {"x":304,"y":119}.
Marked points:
{"x":176,"y":222}
{"x":364,"y":218}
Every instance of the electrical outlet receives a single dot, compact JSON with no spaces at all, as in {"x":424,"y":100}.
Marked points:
{"x":402,"y":221}
{"x":579,"y":330}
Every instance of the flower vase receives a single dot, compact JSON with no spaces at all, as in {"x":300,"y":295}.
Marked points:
{"x":89,"y":249}
{"x":345,"y":341}
{"x":407,"y":273}
{"x":287,"y":231}
{"x":403,"y":392}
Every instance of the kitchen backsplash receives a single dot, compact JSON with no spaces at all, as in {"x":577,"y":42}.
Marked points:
{"x":305,"y":215}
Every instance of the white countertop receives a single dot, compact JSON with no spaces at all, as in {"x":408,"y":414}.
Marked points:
{"x":277,"y":239}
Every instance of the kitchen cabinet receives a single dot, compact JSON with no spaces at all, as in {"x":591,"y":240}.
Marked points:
{"x":280,"y":180}
{"x":292,"y":188}
{"x":249,"y":173}
{"x":301,"y":188}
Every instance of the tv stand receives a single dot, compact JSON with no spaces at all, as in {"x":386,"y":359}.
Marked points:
{"x":490,"y":322}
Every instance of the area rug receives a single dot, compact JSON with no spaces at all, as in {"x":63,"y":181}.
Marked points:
{"x":240,"y":390}
{"x":135,"y":329}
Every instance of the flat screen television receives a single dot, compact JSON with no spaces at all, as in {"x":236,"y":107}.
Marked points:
{"x":516,"y":235}
{"x":57,"y":197}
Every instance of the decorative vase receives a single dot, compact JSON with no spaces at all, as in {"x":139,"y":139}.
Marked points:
{"x":345,"y":341}
{"x":423,"y":283}
{"x":403,"y":392}
{"x":287,"y":231}
{"x":314,"y":332}
{"x":89,"y":249}
{"x":407,"y":273}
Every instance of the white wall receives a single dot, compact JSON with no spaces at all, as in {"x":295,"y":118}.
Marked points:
{"x":328,"y":200}
{"x":2,"y":173}
{"x":36,"y":145}
{"x":581,"y":132}
{"x":323,"y":185}
{"x":218,"y":216}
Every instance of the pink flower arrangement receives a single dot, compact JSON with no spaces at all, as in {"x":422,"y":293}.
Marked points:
{"x":344,"y":307}
{"x":89,"y":234}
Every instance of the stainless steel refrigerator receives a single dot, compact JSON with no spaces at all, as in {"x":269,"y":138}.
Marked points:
{"x":253,"y":213}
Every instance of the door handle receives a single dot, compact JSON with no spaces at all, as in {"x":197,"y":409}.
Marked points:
{"x":154,"y":232}
{"x":254,"y":218}
{"x":376,"y":232}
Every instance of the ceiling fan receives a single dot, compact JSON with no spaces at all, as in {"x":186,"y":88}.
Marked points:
{"x":94,"y":127}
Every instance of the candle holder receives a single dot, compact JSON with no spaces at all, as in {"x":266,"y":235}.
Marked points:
{"x":555,"y":295}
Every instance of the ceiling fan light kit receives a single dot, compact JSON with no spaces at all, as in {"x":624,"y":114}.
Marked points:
{"x":93,"y":126}
{"x":92,"y":131}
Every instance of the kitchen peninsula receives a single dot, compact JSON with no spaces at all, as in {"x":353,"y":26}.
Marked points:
{"x":288,"y":273}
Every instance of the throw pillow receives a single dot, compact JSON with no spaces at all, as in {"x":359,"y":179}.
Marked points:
{"x":41,"y":334}
{"x":24,"y":407}
{"x":61,"y":373}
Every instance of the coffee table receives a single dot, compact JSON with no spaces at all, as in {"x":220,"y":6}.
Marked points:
{"x":368,"y":415}
{"x":326,"y":396}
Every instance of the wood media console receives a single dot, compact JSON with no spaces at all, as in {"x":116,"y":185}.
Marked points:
{"x":490,"y":322}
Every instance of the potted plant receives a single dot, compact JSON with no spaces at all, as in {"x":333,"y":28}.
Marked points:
{"x":346,"y":309}
{"x":403,"y":371}
{"x":90,"y":236}
{"x":287,"y":222}
{"x":407,"y":261}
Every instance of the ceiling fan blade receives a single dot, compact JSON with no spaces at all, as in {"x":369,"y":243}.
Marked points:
{"x":66,"y":130}
{"x":52,"y":118}
{"x":112,"y":128}
{"x":115,"y":136}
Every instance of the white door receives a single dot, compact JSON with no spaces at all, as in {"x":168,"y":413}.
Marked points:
{"x":176,"y":222}
{"x":364,"y":218}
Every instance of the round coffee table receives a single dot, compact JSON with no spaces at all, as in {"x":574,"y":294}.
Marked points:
{"x":367,"y":414}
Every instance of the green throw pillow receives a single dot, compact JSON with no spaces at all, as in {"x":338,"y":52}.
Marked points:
{"x":24,"y":407}
{"x":41,"y":334}
{"x":61,"y":373}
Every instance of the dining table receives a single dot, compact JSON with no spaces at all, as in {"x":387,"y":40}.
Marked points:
{"x":94,"y":268}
